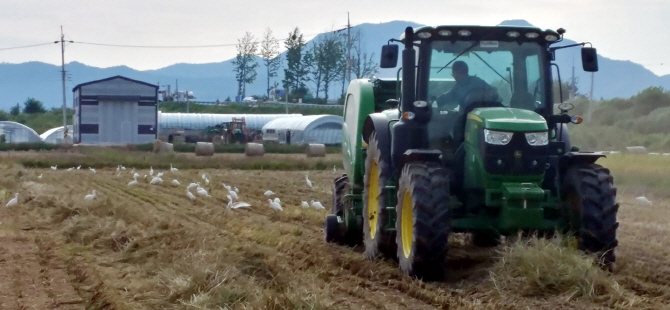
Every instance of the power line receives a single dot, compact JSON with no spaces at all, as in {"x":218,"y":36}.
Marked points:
{"x":26,"y":46}
{"x":177,"y":46}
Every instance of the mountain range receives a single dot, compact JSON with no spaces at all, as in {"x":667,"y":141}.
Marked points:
{"x":212,"y":81}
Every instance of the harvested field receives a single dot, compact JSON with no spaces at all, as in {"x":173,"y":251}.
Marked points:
{"x":150,"y":247}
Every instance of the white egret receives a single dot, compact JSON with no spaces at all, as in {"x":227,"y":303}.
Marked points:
{"x":202,"y":192}
{"x":277,"y":200}
{"x":203,"y":176}
{"x":151,"y":171}
{"x":173,"y":169}
{"x":70,"y":169}
{"x":309,"y":183}
{"x":236,"y":190}
{"x":238,"y":205}
{"x":156,"y":180}
{"x":39,"y":177}
{"x":78,"y":167}
{"x":304,"y":205}
{"x":275,"y":205}
{"x":160,"y":174}
{"x":123,"y":168}
{"x":334,"y":170}
{"x":54,"y":167}
{"x":227,"y":187}
{"x":136,"y":175}
{"x":191,"y":186}
{"x":317,"y":205}
{"x":233,"y":194}
{"x":133,"y":182}
{"x":175,"y":182}
{"x":268,"y":193}
{"x":643,"y":200}
{"x":90,"y":196}
{"x":91,"y":169}
{"x":190,"y":195}
{"x":13,"y":202}
{"x":118,"y":168}
{"x":206,"y":181}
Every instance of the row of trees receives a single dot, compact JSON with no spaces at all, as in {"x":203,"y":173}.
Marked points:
{"x":30,"y":106}
{"x":320,"y":65}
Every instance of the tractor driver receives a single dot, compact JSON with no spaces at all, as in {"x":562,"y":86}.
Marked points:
{"x":465,"y":84}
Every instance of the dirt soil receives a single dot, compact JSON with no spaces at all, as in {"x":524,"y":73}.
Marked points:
{"x":150,"y":247}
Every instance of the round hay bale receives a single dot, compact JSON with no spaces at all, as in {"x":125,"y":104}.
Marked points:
{"x":316,"y":150}
{"x":166,"y":148}
{"x":254,"y":149}
{"x":157,"y":145}
{"x":636,"y":150}
{"x":204,"y":149}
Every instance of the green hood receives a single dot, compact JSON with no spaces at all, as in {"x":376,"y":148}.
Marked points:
{"x":509,"y":119}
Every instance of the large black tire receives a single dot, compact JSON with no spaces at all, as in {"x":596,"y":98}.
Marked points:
{"x":422,"y":222}
{"x":352,"y":236}
{"x":339,"y":190}
{"x":332,"y":229}
{"x":590,"y":197}
{"x":376,"y":239}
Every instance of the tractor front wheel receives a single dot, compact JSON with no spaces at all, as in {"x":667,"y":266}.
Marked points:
{"x":592,"y":209}
{"x":375,"y":197}
{"x":422,"y":223}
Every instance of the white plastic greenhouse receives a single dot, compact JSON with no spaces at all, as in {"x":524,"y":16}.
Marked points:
{"x":196,"y":121}
{"x":324,"y":129}
{"x":18,"y":133}
{"x":55,"y":135}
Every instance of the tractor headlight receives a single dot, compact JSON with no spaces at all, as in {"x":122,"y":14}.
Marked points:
{"x":537,"y":138}
{"x":497,"y":137}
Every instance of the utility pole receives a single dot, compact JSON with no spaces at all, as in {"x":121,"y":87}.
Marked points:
{"x":62,"y":48}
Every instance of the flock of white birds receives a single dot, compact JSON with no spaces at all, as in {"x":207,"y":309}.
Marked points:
{"x":233,"y":192}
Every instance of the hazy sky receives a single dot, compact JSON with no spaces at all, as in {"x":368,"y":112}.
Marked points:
{"x":624,"y":30}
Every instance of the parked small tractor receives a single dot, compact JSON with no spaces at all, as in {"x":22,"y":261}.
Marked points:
{"x":494,"y":161}
{"x":231,"y":132}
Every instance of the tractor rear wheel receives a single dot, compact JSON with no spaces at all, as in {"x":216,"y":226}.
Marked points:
{"x":352,"y":236}
{"x":422,"y":222}
{"x":332,"y":229}
{"x":592,"y":209}
{"x":375,"y":197}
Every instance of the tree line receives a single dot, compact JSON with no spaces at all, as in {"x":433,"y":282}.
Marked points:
{"x":312,"y":70}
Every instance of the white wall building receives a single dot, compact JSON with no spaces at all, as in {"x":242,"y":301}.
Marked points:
{"x":325,"y":129}
{"x":116,"y":110}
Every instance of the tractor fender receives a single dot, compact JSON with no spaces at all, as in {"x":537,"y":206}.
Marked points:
{"x":379,"y":123}
{"x":577,"y":158}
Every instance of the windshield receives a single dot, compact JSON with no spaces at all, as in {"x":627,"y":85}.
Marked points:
{"x":464,"y":75}
{"x":514,"y":70}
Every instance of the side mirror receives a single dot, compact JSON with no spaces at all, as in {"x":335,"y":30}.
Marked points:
{"x":389,"y":56}
{"x":589,"y":59}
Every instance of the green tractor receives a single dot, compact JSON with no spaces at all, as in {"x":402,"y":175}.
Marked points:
{"x":495,"y":160}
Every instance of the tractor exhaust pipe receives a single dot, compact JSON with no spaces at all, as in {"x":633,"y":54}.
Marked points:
{"x":408,"y":72}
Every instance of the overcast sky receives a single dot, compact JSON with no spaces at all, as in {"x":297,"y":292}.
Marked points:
{"x":624,"y":30}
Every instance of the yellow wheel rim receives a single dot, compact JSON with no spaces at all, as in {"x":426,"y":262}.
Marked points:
{"x":407,"y":223}
{"x":373,"y":202}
